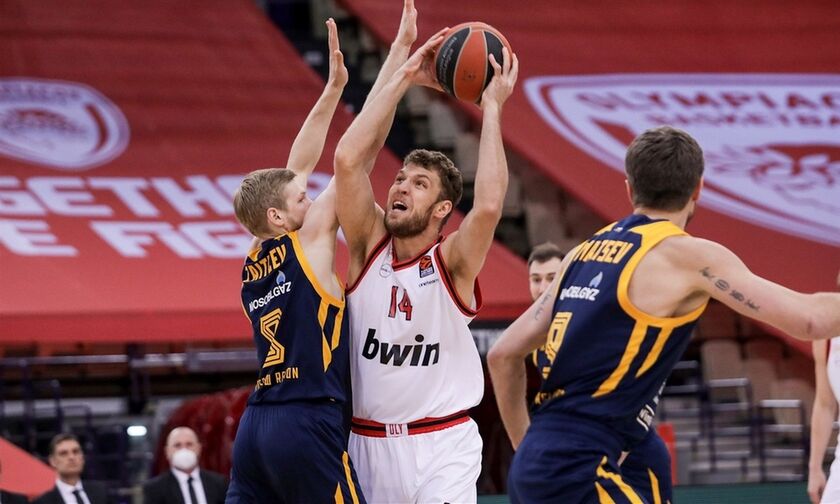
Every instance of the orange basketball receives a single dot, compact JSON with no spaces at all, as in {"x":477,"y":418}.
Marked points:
{"x":461,"y":64}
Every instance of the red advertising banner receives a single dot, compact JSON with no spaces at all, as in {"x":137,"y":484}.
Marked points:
{"x":124,"y":130}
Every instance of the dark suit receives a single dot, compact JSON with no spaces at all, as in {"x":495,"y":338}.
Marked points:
{"x":164,"y":488}
{"x":97,"y":493}
{"x":12,"y":498}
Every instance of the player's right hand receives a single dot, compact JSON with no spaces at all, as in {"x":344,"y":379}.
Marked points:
{"x":420,"y":66}
{"x":338,"y":72}
{"x":816,"y":485}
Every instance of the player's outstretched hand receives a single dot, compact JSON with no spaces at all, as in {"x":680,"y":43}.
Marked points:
{"x":338,"y":72}
{"x":504,"y":79}
{"x":420,"y":66}
{"x":407,"y":34}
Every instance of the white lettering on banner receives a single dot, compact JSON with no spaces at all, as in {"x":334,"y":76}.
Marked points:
{"x":202,"y":190}
{"x":32,"y":238}
{"x":17,"y":202}
{"x":771,"y":142}
{"x":214,"y":239}
{"x":56,"y":194}
{"x":129,"y":191}
{"x":131,"y":238}
{"x":85,"y":197}
{"x":218,"y":239}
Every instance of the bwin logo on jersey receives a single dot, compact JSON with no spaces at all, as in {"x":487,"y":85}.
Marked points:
{"x":587,"y":293}
{"x":396,"y":355}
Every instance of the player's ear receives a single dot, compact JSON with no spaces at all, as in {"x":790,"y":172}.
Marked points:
{"x":443,"y":208}
{"x":275,"y":217}
{"x":696,"y":195}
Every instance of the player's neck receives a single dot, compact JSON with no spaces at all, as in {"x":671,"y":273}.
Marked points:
{"x":679,"y":218}
{"x":409,"y":247}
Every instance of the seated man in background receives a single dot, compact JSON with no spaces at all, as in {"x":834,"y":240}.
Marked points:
{"x":68,"y":460}
{"x":185,"y":482}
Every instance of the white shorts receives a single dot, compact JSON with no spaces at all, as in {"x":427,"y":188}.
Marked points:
{"x":434,"y":467}
{"x":831,"y":493}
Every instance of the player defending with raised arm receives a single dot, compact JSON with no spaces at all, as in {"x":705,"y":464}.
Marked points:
{"x":292,"y":440}
{"x":616,"y":321}
{"x":411,"y":294}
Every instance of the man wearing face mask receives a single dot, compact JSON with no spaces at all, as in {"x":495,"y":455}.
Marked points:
{"x":185,"y":483}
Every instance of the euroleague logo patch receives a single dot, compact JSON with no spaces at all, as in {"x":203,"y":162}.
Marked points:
{"x":60,"y":124}
{"x":771,"y":141}
{"x":426,"y":267}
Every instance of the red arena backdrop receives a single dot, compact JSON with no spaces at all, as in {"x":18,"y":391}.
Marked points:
{"x":124,"y":130}
{"x":756,"y":83}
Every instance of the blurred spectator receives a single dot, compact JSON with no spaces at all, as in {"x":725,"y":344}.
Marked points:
{"x":68,"y":460}
{"x":185,"y":483}
{"x":11,"y":498}
{"x":543,"y":264}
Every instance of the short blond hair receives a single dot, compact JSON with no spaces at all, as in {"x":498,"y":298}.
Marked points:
{"x":259,"y":191}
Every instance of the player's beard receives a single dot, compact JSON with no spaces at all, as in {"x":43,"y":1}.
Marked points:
{"x":412,"y":226}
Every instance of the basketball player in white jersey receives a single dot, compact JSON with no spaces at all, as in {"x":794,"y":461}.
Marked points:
{"x":823,"y":416}
{"x":411,"y":294}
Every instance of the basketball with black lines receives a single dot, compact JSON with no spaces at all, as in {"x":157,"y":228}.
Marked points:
{"x":462,"y":65}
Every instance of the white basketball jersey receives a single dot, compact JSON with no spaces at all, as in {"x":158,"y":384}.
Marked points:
{"x":412,"y":355}
{"x":832,"y":368}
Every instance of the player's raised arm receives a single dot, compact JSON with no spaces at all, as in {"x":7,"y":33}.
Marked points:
{"x":399,"y":51}
{"x":722,"y":275}
{"x":466,"y":250}
{"x":309,"y":143}
{"x":361,"y":143}
{"x":506,"y":361}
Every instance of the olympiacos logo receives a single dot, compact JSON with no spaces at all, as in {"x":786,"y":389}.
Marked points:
{"x":60,"y":124}
{"x":771,"y":141}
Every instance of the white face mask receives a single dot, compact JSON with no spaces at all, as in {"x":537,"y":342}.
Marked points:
{"x":184,"y":459}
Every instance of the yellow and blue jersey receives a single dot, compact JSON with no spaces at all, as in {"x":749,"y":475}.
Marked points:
{"x":300,"y":330}
{"x":608,"y":359}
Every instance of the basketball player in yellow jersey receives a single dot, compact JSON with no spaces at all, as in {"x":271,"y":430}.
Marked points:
{"x":615,"y":322}
{"x":411,"y":294}
{"x":291,"y":443}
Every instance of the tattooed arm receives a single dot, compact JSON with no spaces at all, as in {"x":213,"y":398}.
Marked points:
{"x":721,"y":274}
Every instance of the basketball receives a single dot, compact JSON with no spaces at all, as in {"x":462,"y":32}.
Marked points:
{"x":461,"y":64}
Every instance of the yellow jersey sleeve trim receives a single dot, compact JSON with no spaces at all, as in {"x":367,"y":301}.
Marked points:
{"x":656,"y":350}
{"x":652,"y":234}
{"x":310,"y":274}
{"x":606,"y":228}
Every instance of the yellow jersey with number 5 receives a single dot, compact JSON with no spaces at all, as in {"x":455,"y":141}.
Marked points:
{"x":299,"y":328}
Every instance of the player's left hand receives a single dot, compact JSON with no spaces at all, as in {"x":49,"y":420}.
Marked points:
{"x":338,"y":72}
{"x":407,"y":33}
{"x":504,"y":79}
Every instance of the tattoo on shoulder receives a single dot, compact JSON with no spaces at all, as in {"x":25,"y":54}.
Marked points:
{"x":724,"y":286}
